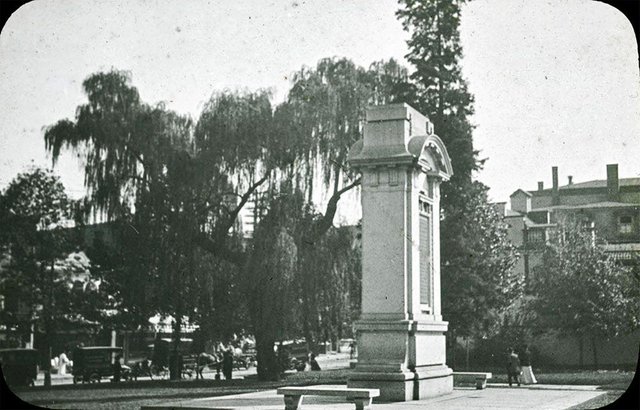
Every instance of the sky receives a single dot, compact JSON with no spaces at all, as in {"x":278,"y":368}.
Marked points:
{"x":556,"y":82}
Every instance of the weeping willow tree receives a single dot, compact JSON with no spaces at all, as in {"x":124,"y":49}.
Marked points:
{"x":269,"y":276}
{"x":325,"y":111}
{"x":323,"y":117}
{"x":328,"y":281}
{"x":179,"y":185}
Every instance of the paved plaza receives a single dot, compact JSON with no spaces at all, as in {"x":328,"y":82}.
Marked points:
{"x":495,"y":397}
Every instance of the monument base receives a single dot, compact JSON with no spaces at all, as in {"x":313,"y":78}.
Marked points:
{"x":425,"y":382}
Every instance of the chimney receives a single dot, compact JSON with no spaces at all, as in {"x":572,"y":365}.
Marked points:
{"x":555,"y":195}
{"x":540,"y":185}
{"x":570,"y":177}
{"x":613,"y":184}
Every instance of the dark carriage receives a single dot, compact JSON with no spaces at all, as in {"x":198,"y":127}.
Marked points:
{"x":91,"y":364}
{"x":19,"y":366}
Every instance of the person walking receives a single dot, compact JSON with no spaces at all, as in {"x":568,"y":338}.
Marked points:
{"x":527,"y":371}
{"x":513,"y":366}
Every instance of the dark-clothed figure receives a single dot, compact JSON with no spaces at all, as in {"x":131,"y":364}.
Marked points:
{"x":227,"y":364}
{"x":117,"y":369}
{"x":313,"y":362}
{"x":145,"y":368}
{"x":513,"y":367}
{"x":352,"y":349}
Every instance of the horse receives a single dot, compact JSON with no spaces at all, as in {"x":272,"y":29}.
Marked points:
{"x":204,"y":360}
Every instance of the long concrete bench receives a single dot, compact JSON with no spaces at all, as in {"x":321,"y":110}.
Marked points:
{"x":361,"y":397}
{"x":479,"y":377}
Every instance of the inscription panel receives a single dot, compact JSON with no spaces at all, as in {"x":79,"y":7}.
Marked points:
{"x":426,"y":274}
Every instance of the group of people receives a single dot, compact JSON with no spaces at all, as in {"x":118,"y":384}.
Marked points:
{"x":520,"y":365}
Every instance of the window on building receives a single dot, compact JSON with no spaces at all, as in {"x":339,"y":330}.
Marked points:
{"x":625,"y":224}
{"x":535,"y":236}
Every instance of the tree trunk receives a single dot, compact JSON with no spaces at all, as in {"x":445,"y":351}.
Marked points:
{"x":308,"y":335}
{"x":268,"y":369}
{"x":175,"y":371}
{"x":581,"y":350}
{"x":47,"y":361}
{"x":467,"y":355}
{"x":594,"y":347}
{"x":48,"y":325}
{"x":452,"y":349}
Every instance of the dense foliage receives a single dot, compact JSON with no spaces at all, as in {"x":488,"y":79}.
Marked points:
{"x":176,"y":186}
{"x":44,"y":282}
{"x":478,"y":276}
{"x":579,"y":291}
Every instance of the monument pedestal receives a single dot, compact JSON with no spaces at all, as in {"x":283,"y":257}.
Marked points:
{"x":404,"y":359}
{"x":401,"y":335}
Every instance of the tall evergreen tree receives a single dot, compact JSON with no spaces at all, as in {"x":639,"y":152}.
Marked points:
{"x":477,"y":259}
{"x":440,"y":89}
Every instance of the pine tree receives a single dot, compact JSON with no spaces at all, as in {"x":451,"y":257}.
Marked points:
{"x":441,"y":91}
{"x":477,"y":259}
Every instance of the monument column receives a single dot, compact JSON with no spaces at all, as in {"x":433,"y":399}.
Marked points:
{"x":401,"y":341}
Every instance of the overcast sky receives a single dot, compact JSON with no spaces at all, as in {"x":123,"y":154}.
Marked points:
{"x":555,"y":82}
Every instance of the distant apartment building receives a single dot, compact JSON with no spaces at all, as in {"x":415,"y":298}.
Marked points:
{"x":611,"y":207}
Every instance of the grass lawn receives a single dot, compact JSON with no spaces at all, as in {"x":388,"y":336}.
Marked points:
{"x":129,"y":396}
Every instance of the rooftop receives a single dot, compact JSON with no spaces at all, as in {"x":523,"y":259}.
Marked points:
{"x":596,"y":205}
{"x":599,"y":183}
{"x":602,"y":183}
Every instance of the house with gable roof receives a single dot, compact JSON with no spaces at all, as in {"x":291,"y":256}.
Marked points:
{"x":611,"y":209}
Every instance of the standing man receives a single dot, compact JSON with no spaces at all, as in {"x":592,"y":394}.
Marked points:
{"x":227,"y":363}
{"x":513,"y":366}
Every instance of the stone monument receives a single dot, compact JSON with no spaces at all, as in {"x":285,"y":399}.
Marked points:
{"x":401,"y":341}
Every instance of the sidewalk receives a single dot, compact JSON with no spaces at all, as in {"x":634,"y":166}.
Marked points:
{"x":55,"y":379}
{"x":539,"y":397}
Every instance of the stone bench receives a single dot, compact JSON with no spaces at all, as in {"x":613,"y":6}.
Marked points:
{"x":479,"y":377}
{"x":361,"y":397}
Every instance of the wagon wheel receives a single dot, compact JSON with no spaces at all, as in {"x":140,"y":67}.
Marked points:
{"x":94,"y":378}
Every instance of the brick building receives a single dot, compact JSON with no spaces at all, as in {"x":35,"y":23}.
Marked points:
{"x":611,"y":208}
